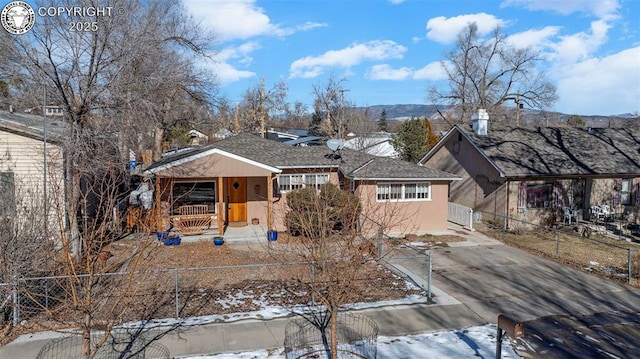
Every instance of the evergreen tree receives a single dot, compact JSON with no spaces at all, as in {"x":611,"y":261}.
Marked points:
{"x":411,"y":140}
{"x":382,"y":124}
{"x":432,"y":138}
{"x":575,"y":121}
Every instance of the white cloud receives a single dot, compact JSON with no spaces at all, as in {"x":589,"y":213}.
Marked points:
{"x":605,"y":86}
{"x":312,"y":66}
{"x":432,"y":71}
{"x":310,"y":26}
{"x":444,"y":30}
{"x":222,"y":62}
{"x":535,"y":38}
{"x":231,"y":19}
{"x":396,"y":2}
{"x":226,"y":73}
{"x":385,"y":72}
{"x":604,"y":9}
{"x":581,"y":45}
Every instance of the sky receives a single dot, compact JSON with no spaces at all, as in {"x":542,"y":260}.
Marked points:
{"x":389,"y":51}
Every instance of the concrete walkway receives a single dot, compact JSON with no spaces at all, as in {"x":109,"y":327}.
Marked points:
{"x":473,"y":281}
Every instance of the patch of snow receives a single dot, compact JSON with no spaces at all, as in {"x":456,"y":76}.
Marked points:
{"x":472,"y":342}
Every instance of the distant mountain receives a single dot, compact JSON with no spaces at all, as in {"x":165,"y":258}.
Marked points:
{"x":528,"y":116}
{"x":399,"y":112}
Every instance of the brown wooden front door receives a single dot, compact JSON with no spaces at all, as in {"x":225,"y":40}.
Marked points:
{"x":237,"y":190}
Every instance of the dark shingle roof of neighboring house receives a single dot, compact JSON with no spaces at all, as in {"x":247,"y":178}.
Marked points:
{"x":564,"y":151}
{"x":352,"y":164}
{"x":32,"y":126}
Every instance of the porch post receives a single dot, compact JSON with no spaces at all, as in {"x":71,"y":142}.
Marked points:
{"x":220,"y":207}
{"x":158,"y":219}
{"x":269,"y":200}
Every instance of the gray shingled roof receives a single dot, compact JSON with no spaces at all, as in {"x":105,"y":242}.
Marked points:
{"x":561,"y":151}
{"x":352,"y":164}
{"x":32,"y":126}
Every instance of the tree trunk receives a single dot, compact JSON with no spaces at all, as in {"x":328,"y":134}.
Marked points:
{"x":157,"y":143}
{"x":334,"y":332}
{"x":86,"y":337}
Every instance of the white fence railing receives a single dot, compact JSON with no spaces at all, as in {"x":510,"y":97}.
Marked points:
{"x":461,"y":215}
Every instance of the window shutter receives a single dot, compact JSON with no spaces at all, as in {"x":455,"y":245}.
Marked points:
{"x":637,"y":187}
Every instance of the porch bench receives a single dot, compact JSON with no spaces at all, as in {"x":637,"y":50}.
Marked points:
{"x":193,"y":219}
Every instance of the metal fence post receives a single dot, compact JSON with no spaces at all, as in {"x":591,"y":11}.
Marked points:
{"x":46,"y":294}
{"x":380,"y":242}
{"x":16,"y":298}
{"x":629,"y":264}
{"x":429,"y":269}
{"x":313,"y":280}
{"x":177,"y":290}
{"x":557,"y":243}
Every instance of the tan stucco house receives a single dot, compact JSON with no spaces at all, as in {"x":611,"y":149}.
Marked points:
{"x":532,"y":174}
{"x":246,"y":178}
{"x":31,"y":166}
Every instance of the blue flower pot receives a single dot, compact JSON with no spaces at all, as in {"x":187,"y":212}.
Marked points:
{"x":272,"y":236}
{"x":172,"y":241}
{"x":218,"y":241}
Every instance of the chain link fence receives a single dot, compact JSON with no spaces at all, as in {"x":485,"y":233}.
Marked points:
{"x":116,"y":347}
{"x":589,"y":246}
{"x":356,"y":336}
{"x":186,"y":292}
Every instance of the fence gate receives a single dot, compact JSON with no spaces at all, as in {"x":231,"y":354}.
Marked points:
{"x":461,"y":215}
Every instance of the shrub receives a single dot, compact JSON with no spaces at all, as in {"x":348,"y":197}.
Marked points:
{"x":315,"y":214}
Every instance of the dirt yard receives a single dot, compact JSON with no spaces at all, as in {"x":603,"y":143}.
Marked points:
{"x":598,"y":254}
{"x":237,"y":277}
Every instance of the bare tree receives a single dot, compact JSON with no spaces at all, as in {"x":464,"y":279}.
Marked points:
{"x":25,"y":249}
{"x":296,"y":117}
{"x":329,"y":116}
{"x":121,"y":84}
{"x":130,"y":68}
{"x":223,"y":115}
{"x":489,"y":74}
{"x":259,"y":104}
{"x":340,"y":250}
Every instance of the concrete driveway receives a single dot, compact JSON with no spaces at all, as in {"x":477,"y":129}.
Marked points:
{"x":569,"y":313}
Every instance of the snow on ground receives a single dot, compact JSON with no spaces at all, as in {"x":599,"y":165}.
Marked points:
{"x":474,"y":342}
{"x":471,"y":342}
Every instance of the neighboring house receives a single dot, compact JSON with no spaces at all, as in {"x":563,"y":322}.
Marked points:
{"x":531,"y":174}
{"x":28,"y":187}
{"x":377,"y":144}
{"x":241,"y":178}
{"x":197,"y":138}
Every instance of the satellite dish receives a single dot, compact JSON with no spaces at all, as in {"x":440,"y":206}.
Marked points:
{"x":335,"y":144}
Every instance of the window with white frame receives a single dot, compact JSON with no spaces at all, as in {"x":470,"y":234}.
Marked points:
{"x":293,"y":182}
{"x":419,"y":191}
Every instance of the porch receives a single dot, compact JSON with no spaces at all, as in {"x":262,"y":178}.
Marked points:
{"x":207,"y":205}
{"x":251,"y":233}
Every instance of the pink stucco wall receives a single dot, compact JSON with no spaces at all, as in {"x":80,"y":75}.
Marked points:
{"x":402,"y":217}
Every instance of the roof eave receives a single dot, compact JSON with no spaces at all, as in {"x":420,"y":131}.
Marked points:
{"x":405,"y":178}
{"x":209,"y":153}
{"x":306,"y":166}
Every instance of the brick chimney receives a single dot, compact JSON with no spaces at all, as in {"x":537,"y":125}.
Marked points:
{"x":480,"y":120}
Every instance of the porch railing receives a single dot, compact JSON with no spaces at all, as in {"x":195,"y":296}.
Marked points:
{"x":461,"y":215}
